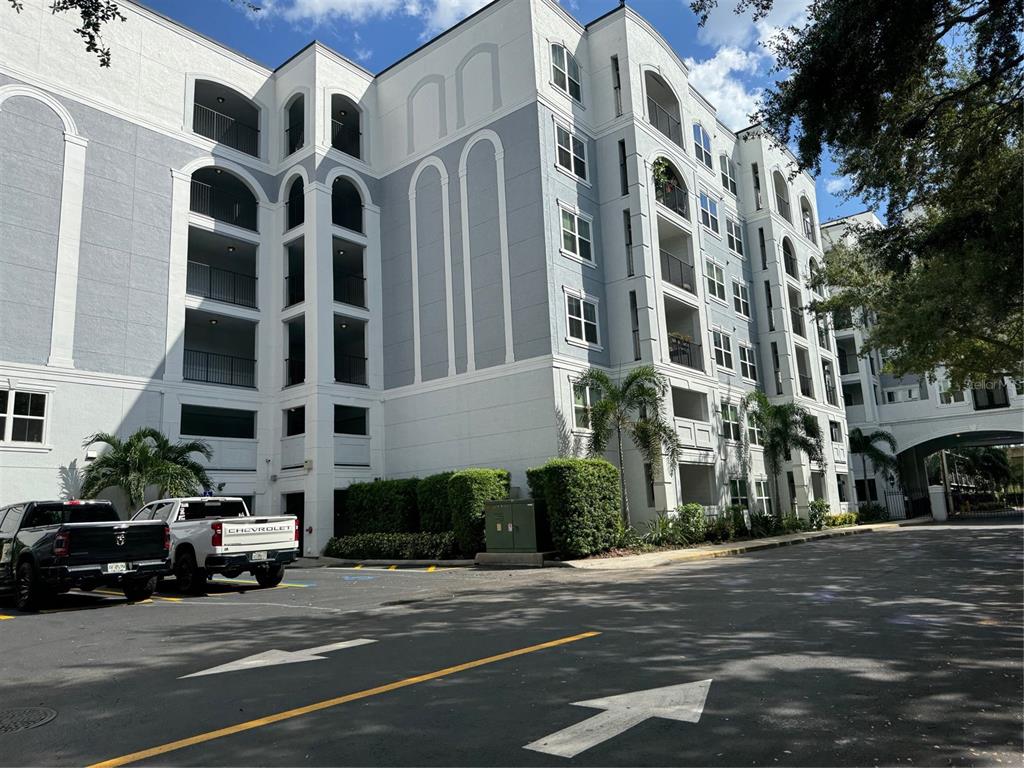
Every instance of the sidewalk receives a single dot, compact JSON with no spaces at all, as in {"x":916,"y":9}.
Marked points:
{"x":670,"y":556}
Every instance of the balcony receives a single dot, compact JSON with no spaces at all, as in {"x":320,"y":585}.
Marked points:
{"x":221,"y":285}
{"x":295,"y":279}
{"x":219,"y":349}
{"x":847,"y":362}
{"x":831,"y":395}
{"x":224,"y":197}
{"x":683,"y":325}
{"x":674,"y":196}
{"x":293,"y":451}
{"x":221,"y":268}
{"x":226,"y":117}
{"x":349,"y":278}
{"x":686,"y":353}
{"x":350,"y":361}
{"x":664,"y":121}
{"x":214,"y":368}
{"x":797,"y":317}
{"x":295,"y":137}
{"x":295,"y":362}
{"x":346,"y":135}
{"x":678,"y":272}
{"x":806,"y":385}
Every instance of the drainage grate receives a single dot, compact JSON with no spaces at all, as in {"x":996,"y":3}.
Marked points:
{"x":14,"y":720}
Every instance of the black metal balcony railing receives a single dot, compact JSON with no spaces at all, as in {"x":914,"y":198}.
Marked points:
{"x":994,"y":396}
{"x":294,"y":290}
{"x":847,"y":363}
{"x":673,"y":197}
{"x":830,"y":394}
{"x":349,"y":369}
{"x":295,"y":136}
{"x":806,"y":385}
{"x":213,"y":368}
{"x":294,"y":370}
{"x":688,"y":353}
{"x":225,"y":130}
{"x":344,"y":138}
{"x":679,"y":272}
{"x":791,"y":268}
{"x":798,"y":322}
{"x":666,"y":123}
{"x":220,"y":285}
{"x":350,"y":289}
{"x":223,"y":205}
{"x":296,"y":212}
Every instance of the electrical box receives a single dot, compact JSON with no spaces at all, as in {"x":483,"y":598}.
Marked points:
{"x":511,"y":525}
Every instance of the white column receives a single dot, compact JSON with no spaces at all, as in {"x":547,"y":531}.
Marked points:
{"x":417,"y":374}
{"x":506,"y":279}
{"x":177,"y":274}
{"x":65,"y":292}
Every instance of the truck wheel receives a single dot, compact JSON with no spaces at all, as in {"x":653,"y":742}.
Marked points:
{"x":28,"y":590}
{"x":191,"y":578}
{"x":137,"y":590}
{"x":269,"y":575}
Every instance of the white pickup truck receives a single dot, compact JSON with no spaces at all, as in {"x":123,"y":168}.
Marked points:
{"x":216,"y":534}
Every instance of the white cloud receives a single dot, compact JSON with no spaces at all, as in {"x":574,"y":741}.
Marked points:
{"x":441,"y":14}
{"x":719,"y":80}
{"x":726,"y":28}
{"x":437,"y":15}
{"x":837,"y":185}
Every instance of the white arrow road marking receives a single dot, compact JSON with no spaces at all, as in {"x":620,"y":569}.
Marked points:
{"x":684,"y":703}
{"x":274,"y":657}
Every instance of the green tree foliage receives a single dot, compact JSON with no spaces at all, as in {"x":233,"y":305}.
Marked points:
{"x":146,"y":458}
{"x":866,"y":445}
{"x":919,"y":101}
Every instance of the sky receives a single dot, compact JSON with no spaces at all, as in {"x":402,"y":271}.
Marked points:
{"x":727,"y":58}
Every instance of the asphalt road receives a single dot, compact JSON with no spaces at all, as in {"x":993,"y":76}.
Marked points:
{"x":895,"y":648}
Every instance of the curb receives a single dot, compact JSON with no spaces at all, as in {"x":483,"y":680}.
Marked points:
{"x":334,"y":562}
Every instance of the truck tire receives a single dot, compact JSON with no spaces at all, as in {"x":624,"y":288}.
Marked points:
{"x":269,"y":575}
{"x":28,"y":591}
{"x":137,"y":590}
{"x":191,"y":578}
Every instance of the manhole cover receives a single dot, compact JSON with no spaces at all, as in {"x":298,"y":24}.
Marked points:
{"x":14,"y":720}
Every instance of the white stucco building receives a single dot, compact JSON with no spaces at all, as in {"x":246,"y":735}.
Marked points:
{"x":333,"y":275}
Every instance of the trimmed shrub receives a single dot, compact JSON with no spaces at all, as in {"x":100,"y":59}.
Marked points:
{"x":720,"y":529}
{"x":817,"y":514}
{"x":764,"y":524}
{"x":468,"y":489}
{"x":739,"y":520}
{"x":793,"y":524}
{"x":840,"y":519}
{"x":393,"y":546}
{"x":872,"y":512}
{"x":581,"y":499}
{"x":383,"y":506}
{"x":434,"y":505}
{"x":691,"y":523}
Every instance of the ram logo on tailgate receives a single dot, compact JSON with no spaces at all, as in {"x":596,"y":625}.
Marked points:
{"x":119,"y":538}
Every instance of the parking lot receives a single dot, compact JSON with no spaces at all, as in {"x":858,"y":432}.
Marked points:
{"x":889,"y":648}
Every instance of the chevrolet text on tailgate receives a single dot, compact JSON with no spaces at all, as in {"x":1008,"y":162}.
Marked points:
{"x":48,"y":547}
{"x":216,"y":534}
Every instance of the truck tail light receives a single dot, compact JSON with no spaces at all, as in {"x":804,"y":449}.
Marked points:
{"x":167,"y":538}
{"x":296,"y":530}
{"x":62,"y":544}
{"x":218,"y":535}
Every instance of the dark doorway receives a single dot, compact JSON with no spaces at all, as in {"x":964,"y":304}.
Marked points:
{"x":294,"y":504}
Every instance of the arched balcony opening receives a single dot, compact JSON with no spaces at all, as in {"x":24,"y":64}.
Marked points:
{"x":807,"y":217}
{"x":226,"y":116}
{"x":346,"y":128}
{"x":346,"y":205}
{"x":782,"y":196}
{"x":789,"y":259}
{"x":223,"y":196}
{"x":295,"y":124}
{"x":670,"y":189}
{"x":663,"y":107}
{"x":295,"y":205}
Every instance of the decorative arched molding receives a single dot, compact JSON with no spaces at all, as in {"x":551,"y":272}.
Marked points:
{"x":431,"y":162}
{"x":442,"y":117}
{"x":356,"y":101}
{"x":491,"y":51}
{"x":656,"y":70}
{"x":357,"y":180}
{"x":262,"y":108}
{"x":506,"y":282}
{"x":10,"y":91}
{"x":288,"y":178}
{"x":214,"y":161}
{"x":307,"y":117}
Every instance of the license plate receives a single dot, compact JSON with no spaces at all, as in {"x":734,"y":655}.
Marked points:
{"x":259,"y":556}
{"x":117,"y":567}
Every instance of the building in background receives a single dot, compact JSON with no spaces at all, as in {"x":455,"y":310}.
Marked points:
{"x":333,"y":276}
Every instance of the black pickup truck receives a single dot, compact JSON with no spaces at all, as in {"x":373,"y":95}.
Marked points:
{"x":48,"y":547}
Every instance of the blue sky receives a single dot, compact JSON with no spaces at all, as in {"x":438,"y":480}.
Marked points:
{"x":728,"y":62}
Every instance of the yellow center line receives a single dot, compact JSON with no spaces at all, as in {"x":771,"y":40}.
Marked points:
{"x":328,"y":703}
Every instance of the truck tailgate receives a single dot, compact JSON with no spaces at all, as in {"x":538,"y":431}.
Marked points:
{"x":248,"y":534}
{"x":110,"y":542}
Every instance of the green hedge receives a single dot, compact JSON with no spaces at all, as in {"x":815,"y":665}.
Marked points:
{"x":841,"y":518}
{"x":383,"y":506}
{"x":393,"y":546}
{"x":581,"y":499}
{"x":817,"y":513}
{"x":468,"y":489}
{"x":434,"y":505}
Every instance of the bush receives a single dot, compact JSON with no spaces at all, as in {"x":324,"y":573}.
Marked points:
{"x":661,"y":531}
{"x":434,"y":505}
{"x":817,"y":514}
{"x":764,"y":524}
{"x":468,"y":489}
{"x":721,"y":529}
{"x":581,"y":498}
{"x":739,"y":520}
{"x":383,"y":506}
{"x":793,"y":524}
{"x":691,"y":523}
{"x":393,"y":546}
{"x":841,"y":519}
{"x":873,"y":512}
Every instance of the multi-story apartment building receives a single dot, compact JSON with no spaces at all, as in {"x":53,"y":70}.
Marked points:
{"x":332,"y":275}
{"x":922,"y":412}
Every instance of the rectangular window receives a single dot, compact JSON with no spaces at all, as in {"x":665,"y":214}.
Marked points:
{"x":702,"y":144}
{"x":617,"y":85}
{"x":947,"y":396}
{"x":572,"y":152}
{"x":716,"y":279}
{"x":835,"y":431}
{"x":295,"y":421}
{"x":708,"y":212}
{"x":349,"y":420}
{"x":22,"y":416}
{"x":741,"y":298}
{"x":723,"y":348}
{"x":763,"y":499}
{"x":841,"y":482}
{"x":890,"y":397}
{"x":728,"y":173}
{"x":734,"y":236}
{"x":738,"y":493}
{"x":764,"y":249}
{"x":583,"y":399}
{"x":627,"y":228}
{"x":582,"y":319}
{"x":649,"y":484}
{"x":758,"y":202}
{"x":730,"y":421}
{"x":623,"y":172}
{"x":777,"y":368}
{"x":634,"y":315}
{"x":748,"y":366}
{"x":576,"y":239}
{"x":768,"y":305}
{"x":754,"y":434}
{"x":205,"y":421}
{"x":565,"y":72}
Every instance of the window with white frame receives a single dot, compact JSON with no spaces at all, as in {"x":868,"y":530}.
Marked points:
{"x":948,"y":396}
{"x":715,"y":278}
{"x":582,"y":315}
{"x":734,"y":236}
{"x":583,"y":399}
{"x":748,"y":365}
{"x":728,"y":173}
{"x":565,"y":72}
{"x":738,"y":493}
{"x":576,"y":240}
{"x":708,"y":212}
{"x":761,"y":495}
{"x":571,"y":152}
{"x":730,"y":421}
{"x":754,"y":434}
{"x":702,"y":144}
{"x":740,"y":298}
{"x":723,"y":348}
{"x":22,"y":416}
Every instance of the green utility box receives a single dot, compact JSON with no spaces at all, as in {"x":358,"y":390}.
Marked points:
{"x":511,"y":525}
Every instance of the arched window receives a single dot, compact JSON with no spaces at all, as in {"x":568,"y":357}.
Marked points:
{"x":782,"y":196}
{"x":663,"y":107}
{"x":702,"y":144}
{"x":670,"y":189}
{"x":295,"y":119}
{"x":346,"y":131}
{"x":812,"y":272}
{"x":807,"y":217}
{"x":789,"y":259}
{"x":223,"y":196}
{"x":296,"y":203}
{"x":565,"y":72}
{"x":346,"y":205}
{"x":226,"y":116}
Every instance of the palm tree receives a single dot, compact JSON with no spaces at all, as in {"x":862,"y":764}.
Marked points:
{"x":146,"y":458}
{"x":785,"y":428}
{"x":633,"y":407}
{"x":865,"y":444}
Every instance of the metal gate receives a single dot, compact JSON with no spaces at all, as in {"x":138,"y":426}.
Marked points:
{"x":896,"y":505}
